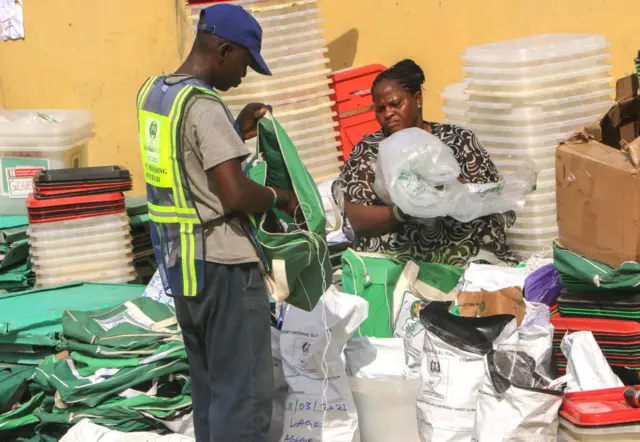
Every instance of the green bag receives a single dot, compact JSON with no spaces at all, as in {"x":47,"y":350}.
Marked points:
{"x":372,"y":277}
{"x":299,"y":268}
{"x":578,"y":273}
{"x":383,"y":282}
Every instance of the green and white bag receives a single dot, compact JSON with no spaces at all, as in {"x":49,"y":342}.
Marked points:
{"x":372,"y":277}
{"x":297,"y":255}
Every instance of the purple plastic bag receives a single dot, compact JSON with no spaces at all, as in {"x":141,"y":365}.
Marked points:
{"x":543,"y":285}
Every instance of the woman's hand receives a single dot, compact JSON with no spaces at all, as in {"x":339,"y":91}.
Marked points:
{"x":370,"y":220}
{"x":247,"y":121}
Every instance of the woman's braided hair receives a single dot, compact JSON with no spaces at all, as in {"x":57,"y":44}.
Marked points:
{"x":406,"y":73}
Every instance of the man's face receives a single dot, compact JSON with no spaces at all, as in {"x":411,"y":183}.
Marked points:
{"x":232,"y":64}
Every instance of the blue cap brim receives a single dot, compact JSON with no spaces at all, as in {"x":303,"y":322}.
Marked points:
{"x":259,"y":65}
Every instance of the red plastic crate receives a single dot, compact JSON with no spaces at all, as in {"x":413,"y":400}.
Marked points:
{"x":354,"y":104}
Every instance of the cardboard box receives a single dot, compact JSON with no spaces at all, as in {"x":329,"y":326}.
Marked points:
{"x":598,"y":185}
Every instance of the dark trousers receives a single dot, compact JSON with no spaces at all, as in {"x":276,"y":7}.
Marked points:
{"x":227,"y":337}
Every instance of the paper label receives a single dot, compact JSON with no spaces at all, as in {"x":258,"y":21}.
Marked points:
{"x":18,"y":174}
{"x":120,"y":318}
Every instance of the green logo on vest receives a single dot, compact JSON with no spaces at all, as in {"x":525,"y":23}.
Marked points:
{"x":153,"y":129}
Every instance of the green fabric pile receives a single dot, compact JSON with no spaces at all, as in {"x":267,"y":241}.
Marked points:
{"x":580,"y":274}
{"x":126,"y":369}
{"x":143,"y":259}
{"x":15,"y":265}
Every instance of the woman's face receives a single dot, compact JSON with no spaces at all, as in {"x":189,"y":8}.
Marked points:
{"x":395,"y":108}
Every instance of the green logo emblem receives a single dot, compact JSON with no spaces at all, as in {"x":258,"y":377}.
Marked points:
{"x":153,"y":129}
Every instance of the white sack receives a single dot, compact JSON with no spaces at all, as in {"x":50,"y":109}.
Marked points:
{"x":586,"y":364}
{"x":491,"y":278}
{"x":516,"y":415}
{"x":451,"y":379}
{"x":319,"y":407}
{"x":86,"y":431}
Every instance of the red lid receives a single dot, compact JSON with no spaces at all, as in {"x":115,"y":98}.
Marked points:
{"x":75,"y":216}
{"x":598,"y":407}
{"x":612,"y":326}
{"x":33,"y":203}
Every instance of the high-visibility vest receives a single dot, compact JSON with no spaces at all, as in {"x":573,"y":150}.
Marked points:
{"x":177,"y":230}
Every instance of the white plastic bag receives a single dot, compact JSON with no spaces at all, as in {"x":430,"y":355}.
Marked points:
{"x":492,"y":278}
{"x":409,"y":328}
{"x":453,"y":370}
{"x":417,"y":172}
{"x":586,"y":364}
{"x":411,"y":165}
{"x":512,"y":403}
{"x":320,"y":406}
{"x":155,"y":290}
{"x":536,"y":334}
{"x":385,"y":397}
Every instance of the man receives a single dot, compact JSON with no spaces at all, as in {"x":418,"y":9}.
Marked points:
{"x":192,"y":152}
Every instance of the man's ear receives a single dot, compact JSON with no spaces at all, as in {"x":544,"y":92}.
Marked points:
{"x":223,"y":50}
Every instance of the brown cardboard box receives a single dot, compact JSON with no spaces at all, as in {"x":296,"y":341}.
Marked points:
{"x":507,"y":301}
{"x":598,"y":186}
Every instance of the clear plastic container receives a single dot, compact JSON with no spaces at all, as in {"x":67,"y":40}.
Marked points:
{"x":526,"y":127}
{"x":535,"y":94}
{"x":46,"y":252}
{"x":536,"y":82}
{"x":512,"y":72}
{"x":536,"y":50}
{"x":79,"y":227}
{"x":281,"y":82}
{"x":34,"y":140}
{"x":280,"y":94}
{"x":530,"y":115}
{"x":63,"y":260}
{"x":619,"y":433}
{"x":118,"y":275}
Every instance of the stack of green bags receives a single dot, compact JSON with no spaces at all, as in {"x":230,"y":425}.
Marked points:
{"x":15,"y":265}
{"x":143,"y":258}
{"x":125,"y":368}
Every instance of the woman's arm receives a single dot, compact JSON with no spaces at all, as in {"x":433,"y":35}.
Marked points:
{"x":370,"y":220}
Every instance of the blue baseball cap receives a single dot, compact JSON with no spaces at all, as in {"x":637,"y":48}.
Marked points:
{"x":233,"y":23}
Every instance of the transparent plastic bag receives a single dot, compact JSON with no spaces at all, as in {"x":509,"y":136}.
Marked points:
{"x":418,"y":173}
{"x":412,"y":166}
{"x":467,"y":202}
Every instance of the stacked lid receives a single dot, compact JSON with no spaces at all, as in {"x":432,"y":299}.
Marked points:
{"x":598,"y":415}
{"x":79,"y":226}
{"x":521,"y":98}
{"x":143,"y":257}
{"x":299,"y":90}
{"x":619,"y":340}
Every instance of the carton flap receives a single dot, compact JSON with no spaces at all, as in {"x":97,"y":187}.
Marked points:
{"x":626,"y":87}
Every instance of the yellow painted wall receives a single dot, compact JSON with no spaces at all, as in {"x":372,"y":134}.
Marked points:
{"x":95,"y":54}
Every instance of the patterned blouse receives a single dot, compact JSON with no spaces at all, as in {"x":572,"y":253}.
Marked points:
{"x":441,"y":240}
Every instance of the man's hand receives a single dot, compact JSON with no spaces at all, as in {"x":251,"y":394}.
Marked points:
{"x":287,"y":201}
{"x":247,"y":120}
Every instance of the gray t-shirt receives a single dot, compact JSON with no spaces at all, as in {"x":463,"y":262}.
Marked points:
{"x":209,"y":139}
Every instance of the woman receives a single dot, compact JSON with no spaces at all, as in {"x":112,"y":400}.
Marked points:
{"x":397,"y":97}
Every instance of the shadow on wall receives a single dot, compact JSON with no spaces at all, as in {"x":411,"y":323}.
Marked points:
{"x":342,"y":50}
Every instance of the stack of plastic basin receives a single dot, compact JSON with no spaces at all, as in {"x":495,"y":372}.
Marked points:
{"x":34,"y":140}
{"x":96,"y":249}
{"x":299,"y":90}
{"x":523,"y":97}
